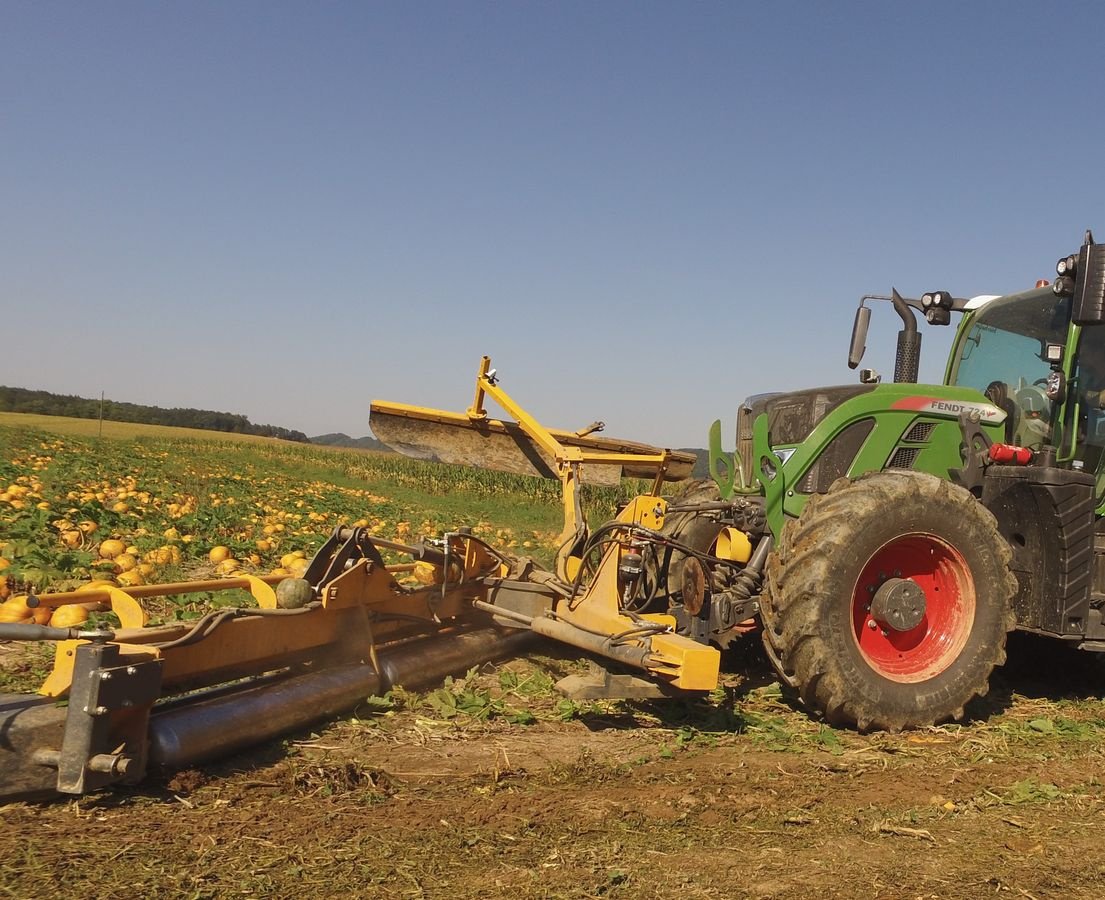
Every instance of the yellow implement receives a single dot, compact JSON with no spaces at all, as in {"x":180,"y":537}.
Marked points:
{"x":302,"y":649}
{"x":525,"y":447}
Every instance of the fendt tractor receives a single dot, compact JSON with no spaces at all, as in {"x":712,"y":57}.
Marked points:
{"x":883,"y":538}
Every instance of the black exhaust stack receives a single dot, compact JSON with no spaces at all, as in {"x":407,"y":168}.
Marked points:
{"x":907,"y":361}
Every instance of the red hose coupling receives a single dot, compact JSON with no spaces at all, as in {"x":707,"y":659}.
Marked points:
{"x":1008,"y":454}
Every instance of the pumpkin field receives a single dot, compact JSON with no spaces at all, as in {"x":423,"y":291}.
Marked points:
{"x":494,"y":784}
{"x":151,"y":505}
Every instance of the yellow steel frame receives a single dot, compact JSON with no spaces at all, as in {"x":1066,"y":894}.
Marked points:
{"x":680,"y":661}
{"x":568,"y":460}
{"x":365,"y":604}
{"x":361,"y":607}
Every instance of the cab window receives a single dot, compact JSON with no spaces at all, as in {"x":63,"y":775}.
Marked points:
{"x":1002,"y":355}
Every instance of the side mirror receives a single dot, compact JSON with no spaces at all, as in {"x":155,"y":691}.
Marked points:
{"x":859,"y":336}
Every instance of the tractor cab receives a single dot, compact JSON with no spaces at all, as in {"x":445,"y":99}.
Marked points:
{"x":1005,"y":350}
{"x":1040,"y":356}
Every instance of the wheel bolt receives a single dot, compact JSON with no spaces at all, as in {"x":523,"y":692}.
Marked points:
{"x":871,"y":624}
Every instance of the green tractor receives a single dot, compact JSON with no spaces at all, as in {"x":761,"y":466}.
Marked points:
{"x":907,"y":528}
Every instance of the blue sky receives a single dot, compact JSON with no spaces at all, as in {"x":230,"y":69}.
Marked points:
{"x":642,"y":211}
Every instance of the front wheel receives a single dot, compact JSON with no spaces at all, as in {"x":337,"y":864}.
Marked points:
{"x":888,"y":601}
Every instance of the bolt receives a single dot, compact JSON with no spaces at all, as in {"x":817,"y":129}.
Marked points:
{"x":870,"y":589}
{"x":897,"y":573}
{"x":105,"y":676}
{"x":131,"y":670}
{"x":885,"y":633}
{"x":871,"y":624}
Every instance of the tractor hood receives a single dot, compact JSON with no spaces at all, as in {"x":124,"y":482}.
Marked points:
{"x":791,"y":416}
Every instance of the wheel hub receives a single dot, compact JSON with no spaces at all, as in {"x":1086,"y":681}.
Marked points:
{"x":898,"y":604}
{"x":913,"y":607}
{"x":693,"y":586}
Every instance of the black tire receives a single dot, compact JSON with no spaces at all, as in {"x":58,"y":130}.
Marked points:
{"x":818,"y":627}
{"x":691,"y":529}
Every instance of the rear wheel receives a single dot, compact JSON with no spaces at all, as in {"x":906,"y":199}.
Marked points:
{"x":888,"y":601}
{"x":692,"y":529}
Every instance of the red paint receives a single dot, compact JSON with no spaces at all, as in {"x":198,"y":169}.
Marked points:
{"x":927,"y":650}
{"x":1009,"y":453}
{"x":912,"y":403}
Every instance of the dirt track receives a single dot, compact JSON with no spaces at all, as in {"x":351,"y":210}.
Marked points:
{"x":740,"y":796}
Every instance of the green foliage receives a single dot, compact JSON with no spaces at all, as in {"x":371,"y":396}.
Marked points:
{"x":531,"y":684}
{"x":1031,"y":791}
{"x":829,"y":740}
{"x":463,"y":698}
{"x":35,"y":562}
{"x":1053,"y":727}
{"x":21,"y":400}
{"x":29,"y":670}
{"x":219,"y":493}
{"x":377,"y":705}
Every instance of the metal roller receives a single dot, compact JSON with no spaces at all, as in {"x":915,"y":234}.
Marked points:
{"x":207,"y":729}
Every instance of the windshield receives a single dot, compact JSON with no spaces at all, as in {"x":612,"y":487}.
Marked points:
{"x":1003,"y":356}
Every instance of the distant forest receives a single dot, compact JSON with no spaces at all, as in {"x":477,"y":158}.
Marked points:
{"x":44,"y":403}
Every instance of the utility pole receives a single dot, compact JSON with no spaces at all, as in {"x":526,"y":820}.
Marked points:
{"x":101,"y":434}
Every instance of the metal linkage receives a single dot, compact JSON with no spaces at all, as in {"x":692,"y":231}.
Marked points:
{"x":105,"y":726}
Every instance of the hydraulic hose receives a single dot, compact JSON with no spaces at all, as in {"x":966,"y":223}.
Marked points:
{"x":15,"y":631}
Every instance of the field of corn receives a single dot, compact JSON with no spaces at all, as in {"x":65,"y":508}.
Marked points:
{"x":493,"y":784}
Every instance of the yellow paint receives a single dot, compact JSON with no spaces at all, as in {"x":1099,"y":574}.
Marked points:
{"x":58,"y":681}
{"x":130,"y":611}
{"x":262,"y":592}
{"x":687,"y":664}
{"x":682,"y":662}
{"x":734,"y":544}
{"x":646,"y":510}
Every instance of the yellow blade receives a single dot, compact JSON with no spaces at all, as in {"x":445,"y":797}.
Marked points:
{"x":503,"y":446}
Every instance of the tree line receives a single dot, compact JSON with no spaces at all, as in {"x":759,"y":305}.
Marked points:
{"x":44,"y":403}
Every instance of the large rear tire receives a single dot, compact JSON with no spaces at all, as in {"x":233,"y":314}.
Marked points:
{"x":888,"y":601}
{"x":692,"y":529}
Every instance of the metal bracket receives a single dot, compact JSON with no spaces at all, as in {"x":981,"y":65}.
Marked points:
{"x":601,"y":684}
{"x":342,"y":546}
{"x":975,"y":452}
{"x":107,"y":719}
{"x":723,"y":467}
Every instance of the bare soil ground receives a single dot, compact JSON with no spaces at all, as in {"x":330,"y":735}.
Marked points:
{"x":737,"y":795}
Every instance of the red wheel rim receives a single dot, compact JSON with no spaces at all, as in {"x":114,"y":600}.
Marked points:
{"x":928,"y":649}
